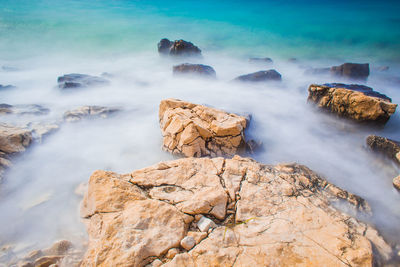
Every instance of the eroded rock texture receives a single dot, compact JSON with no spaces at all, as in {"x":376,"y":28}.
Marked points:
{"x":260,"y":215}
{"x":385,"y":146}
{"x":356,"y":102}
{"x":195,"y":130}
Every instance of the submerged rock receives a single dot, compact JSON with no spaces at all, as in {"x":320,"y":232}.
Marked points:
{"x":270,"y":215}
{"x":194,"y":69}
{"x":32,"y":109}
{"x":75,"y":80}
{"x":260,"y":60}
{"x":388,"y":147}
{"x":89,"y":112}
{"x":6,"y":87}
{"x":260,"y":76}
{"x":194,"y":130}
{"x":357,"y":102}
{"x":351,"y":70}
{"x":177,"y":48}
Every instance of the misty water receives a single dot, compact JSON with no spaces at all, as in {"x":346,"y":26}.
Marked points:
{"x":43,"y":40}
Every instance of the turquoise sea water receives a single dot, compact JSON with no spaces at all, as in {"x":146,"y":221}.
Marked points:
{"x":43,"y":39}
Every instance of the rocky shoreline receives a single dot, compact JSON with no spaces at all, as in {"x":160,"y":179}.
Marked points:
{"x":213,"y":207}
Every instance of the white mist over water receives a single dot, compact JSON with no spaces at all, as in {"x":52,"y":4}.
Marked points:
{"x":290,"y":129}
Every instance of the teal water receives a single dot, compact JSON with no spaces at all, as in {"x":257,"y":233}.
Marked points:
{"x":368,"y":30}
{"x":43,"y":39}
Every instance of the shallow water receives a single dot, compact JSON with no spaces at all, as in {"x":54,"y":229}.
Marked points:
{"x":42,"y":40}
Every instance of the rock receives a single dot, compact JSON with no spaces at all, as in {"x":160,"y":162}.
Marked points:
{"x":46,"y":261}
{"x":285,"y":216}
{"x":386,"y":146}
{"x":14,"y":139}
{"x":351,"y":71}
{"x":89,"y":112}
{"x":23,"y":109}
{"x":75,"y":80}
{"x":260,"y":76}
{"x":204,"y":224}
{"x":357,"y":102}
{"x":396,"y":182}
{"x":59,"y":248}
{"x":42,"y":130}
{"x":6,"y":87}
{"x":260,"y":60}
{"x":177,"y":48}
{"x":198,"y":236}
{"x":156,"y":263}
{"x":195,"y":130}
{"x":194,"y":69}
{"x":172,"y":253}
{"x":188,"y":242}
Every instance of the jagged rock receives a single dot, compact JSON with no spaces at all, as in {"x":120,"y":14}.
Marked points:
{"x":357,"y":102}
{"x":188,"y":242}
{"x":386,"y":146}
{"x":260,"y":60}
{"x":351,"y":70}
{"x":260,"y":76}
{"x":177,"y":48}
{"x":283,"y":216}
{"x":6,"y":87}
{"x":396,"y":182}
{"x":194,"y":69}
{"x":195,"y":130}
{"x":23,"y":109}
{"x":14,"y":139}
{"x":75,"y":80}
{"x":89,"y":112}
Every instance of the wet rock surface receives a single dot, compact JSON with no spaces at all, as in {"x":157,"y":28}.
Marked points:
{"x":89,"y":112}
{"x":351,"y":70}
{"x":75,"y":80}
{"x":260,"y":76}
{"x":385,"y":146}
{"x":32,"y":109}
{"x":195,"y":130}
{"x":262,"y":215}
{"x":194,"y":69}
{"x":356,"y":102}
{"x":177,"y":48}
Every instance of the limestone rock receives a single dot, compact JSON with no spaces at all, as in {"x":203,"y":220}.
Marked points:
{"x":385,"y":146}
{"x":177,"y":48}
{"x":172,"y":253}
{"x":14,"y":139}
{"x":260,"y":76}
{"x":396,"y":182}
{"x":356,"y":102}
{"x":75,"y":80}
{"x":195,"y":130}
{"x":194,"y":69}
{"x":351,"y":70}
{"x":283,"y":217}
{"x":89,"y":112}
{"x":205,"y":224}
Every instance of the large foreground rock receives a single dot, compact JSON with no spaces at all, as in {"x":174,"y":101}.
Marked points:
{"x":252,"y":215}
{"x":357,"y":102}
{"x":177,"y":48}
{"x":89,"y":112}
{"x":75,"y":80}
{"x":260,"y":76}
{"x":385,"y":146}
{"x":194,"y":69}
{"x":195,"y":130}
{"x":351,"y":70}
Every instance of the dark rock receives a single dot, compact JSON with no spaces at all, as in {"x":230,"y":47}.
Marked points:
{"x":260,"y":60}
{"x":6,"y":87}
{"x":75,"y":80}
{"x":177,"y":48}
{"x":351,"y":70}
{"x":355,"y":102}
{"x":260,"y":76}
{"x":23,"y":109}
{"x":197,"y":69}
{"x":385,"y":146}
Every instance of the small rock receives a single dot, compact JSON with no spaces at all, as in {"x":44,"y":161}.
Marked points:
{"x":194,"y":69}
{"x":396,"y":182}
{"x":156,"y":263}
{"x":260,"y":76}
{"x":25,"y":264}
{"x":351,"y":70}
{"x":75,"y":80}
{"x":260,"y":60}
{"x":204,"y":224}
{"x":40,"y":130}
{"x":89,"y":112}
{"x":188,"y":242}
{"x":47,"y":261}
{"x":177,"y":48}
{"x":23,"y":109}
{"x":198,"y":236}
{"x":398,"y":157}
{"x":171,"y":253}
